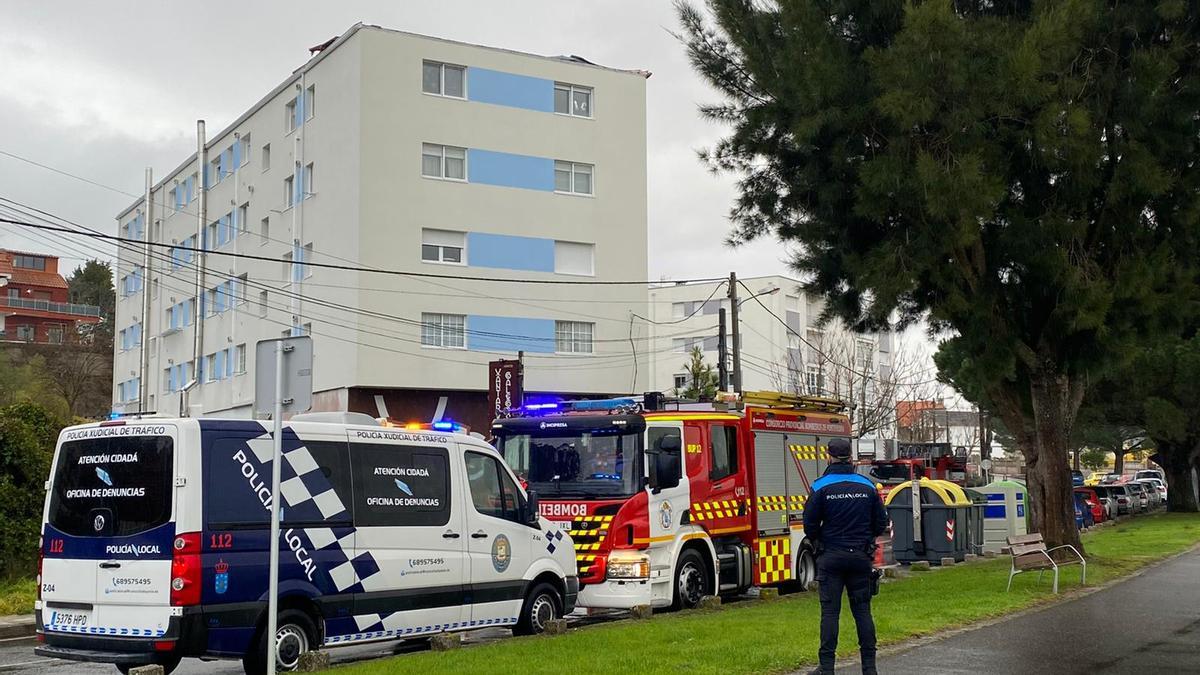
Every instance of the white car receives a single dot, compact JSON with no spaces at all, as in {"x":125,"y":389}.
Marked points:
{"x":156,"y":534}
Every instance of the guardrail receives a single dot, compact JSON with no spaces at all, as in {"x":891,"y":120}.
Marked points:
{"x":48,"y":306}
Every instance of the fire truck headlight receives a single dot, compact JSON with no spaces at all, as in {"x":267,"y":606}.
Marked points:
{"x":628,"y":565}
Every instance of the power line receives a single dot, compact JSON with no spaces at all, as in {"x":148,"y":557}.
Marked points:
{"x":344,"y":268}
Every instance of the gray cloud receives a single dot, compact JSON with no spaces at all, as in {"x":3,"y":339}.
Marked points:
{"x":103,"y":90}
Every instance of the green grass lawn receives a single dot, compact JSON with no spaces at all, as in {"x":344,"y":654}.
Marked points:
{"x":17,"y":596}
{"x":773,"y":637}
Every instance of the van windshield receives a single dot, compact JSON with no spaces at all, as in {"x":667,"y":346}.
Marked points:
{"x":112,"y":486}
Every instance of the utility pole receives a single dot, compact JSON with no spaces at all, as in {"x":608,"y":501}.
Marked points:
{"x":143,"y":350}
{"x":201,"y":218}
{"x":722,"y":353}
{"x":737,"y":334}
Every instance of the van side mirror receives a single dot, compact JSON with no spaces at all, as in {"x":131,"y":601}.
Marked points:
{"x":532,"y":512}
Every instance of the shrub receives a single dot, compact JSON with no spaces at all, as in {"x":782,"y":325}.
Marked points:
{"x":27,"y":436}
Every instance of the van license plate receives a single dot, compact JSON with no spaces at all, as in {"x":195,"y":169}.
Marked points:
{"x":69,"y":619}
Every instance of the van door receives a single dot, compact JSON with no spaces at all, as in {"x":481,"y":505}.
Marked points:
{"x":108,"y":532}
{"x":410,"y":539}
{"x":499,"y":546}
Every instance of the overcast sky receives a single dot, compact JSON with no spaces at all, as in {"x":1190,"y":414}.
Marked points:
{"x":104,"y":89}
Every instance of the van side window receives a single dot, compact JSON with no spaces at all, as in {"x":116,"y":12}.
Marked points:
{"x":723,"y":446}
{"x":400,"y":485}
{"x":492,"y":491}
{"x":314,"y":481}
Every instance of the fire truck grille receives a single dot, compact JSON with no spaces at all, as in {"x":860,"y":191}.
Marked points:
{"x":588,"y":533}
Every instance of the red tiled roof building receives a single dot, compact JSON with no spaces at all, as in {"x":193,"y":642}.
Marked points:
{"x":34,"y":304}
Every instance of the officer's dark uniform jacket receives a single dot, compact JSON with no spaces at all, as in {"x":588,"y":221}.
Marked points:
{"x":844,"y":511}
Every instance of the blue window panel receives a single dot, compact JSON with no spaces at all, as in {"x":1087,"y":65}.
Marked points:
{"x":237,"y":154}
{"x":511,"y":253}
{"x":229,"y":362}
{"x":171,"y":381}
{"x":509,"y":170}
{"x":517,"y":91}
{"x":219,"y":365}
{"x":510,"y":334}
{"x":189,"y":188}
{"x":227,"y":162}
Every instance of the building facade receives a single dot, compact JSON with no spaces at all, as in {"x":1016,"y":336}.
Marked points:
{"x":34,"y":303}
{"x":389,"y":193}
{"x":784,"y":346}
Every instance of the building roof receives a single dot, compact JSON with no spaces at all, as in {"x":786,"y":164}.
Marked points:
{"x":327,"y":48}
{"x":20,"y":275}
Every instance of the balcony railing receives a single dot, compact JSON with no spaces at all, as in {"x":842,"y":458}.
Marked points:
{"x":47,"y":306}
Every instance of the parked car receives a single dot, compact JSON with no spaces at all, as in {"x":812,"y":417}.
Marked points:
{"x":1155,"y":499}
{"x":1083,"y":512}
{"x":1123,"y":497}
{"x":1076,"y":478}
{"x":1099,"y":512}
{"x":1139,"y":495}
{"x":1150,"y":473}
{"x":1110,"y":479}
{"x":1109,"y":499}
{"x":1161,"y":486}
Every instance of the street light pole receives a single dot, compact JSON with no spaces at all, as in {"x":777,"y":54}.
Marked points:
{"x":737,"y":333}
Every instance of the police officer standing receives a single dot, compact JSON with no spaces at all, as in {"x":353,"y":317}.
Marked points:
{"x":843,"y":516}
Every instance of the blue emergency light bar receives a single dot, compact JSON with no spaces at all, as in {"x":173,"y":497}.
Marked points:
{"x":624,"y":403}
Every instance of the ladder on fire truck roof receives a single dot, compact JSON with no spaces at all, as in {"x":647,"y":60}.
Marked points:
{"x":775,"y":399}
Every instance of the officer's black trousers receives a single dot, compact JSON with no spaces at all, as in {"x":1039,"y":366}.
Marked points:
{"x":850,"y":570}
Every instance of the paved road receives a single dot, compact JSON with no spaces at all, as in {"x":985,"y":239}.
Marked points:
{"x":1149,"y":624}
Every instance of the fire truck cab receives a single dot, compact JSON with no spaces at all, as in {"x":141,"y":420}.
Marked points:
{"x":669,"y":503}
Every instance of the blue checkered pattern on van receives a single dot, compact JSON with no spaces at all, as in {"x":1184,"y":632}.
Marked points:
{"x":100,"y":630}
{"x":377,"y":630}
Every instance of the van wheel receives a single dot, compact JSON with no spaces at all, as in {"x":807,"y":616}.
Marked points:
{"x":691,"y":580}
{"x":543,"y":604}
{"x":294,"y":635}
{"x":168,"y":666}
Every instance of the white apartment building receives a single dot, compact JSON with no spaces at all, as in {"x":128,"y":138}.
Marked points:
{"x":827,"y":361}
{"x":412,"y":154}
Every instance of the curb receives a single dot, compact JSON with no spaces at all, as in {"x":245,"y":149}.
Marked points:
{"x":17,"y":626}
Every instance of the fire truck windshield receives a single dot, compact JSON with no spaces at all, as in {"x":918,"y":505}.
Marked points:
{"x":576,"y":464}
{"x":891,"y":473}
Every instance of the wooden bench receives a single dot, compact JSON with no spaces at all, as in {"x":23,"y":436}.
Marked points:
{"x":1029,"y":552}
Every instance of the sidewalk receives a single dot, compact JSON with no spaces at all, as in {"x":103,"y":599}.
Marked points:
{"x":16,"y":626}
{"x":1150,"y":623}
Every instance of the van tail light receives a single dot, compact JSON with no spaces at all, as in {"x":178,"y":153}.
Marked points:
{"x":185,"y":570}
{"x":41,"y":557}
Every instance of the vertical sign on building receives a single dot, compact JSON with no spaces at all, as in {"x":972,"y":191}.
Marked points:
{"x":505,"y":386}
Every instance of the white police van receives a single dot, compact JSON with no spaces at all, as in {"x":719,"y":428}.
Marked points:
{"x":155,"y":540}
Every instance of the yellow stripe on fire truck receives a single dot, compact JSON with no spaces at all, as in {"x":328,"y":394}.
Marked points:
{"x":781,"y":502}
{"x":720,"y":508}
{"x":810,"y":452}
{"x":774,"y":560}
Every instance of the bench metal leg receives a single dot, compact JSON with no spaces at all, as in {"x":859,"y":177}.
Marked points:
{"x":1056,"y":579}
{"x":1011,"y":573}
{"x":1082,"y":572}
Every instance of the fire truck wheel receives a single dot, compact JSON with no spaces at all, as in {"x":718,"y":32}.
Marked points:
{"x":542,"y":605}
{"x":806,"y":568}
{"x":691,"y":580}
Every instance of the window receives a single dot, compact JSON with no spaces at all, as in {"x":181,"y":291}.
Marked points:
{"x":443,"y":79}
{"x":573,"y":337}
{"x":289,"y":115}
{"x":442,"y":246}
{"x":266,"y":156}
{"x":573,"y":178}
{"x":862,"y":353}
{"x":289,"y":191}
{"x":264,"y":230}
{"x":154,"y":288}
{"x":306,"y":328}
{"x":243,"y":218}
{"x":679,"y":310}
{"x":493,"y":492}
{"x":306,"y":257}
{"x":574,"y":258}
{"x":723,"y":445}
{"x":443,"y":330}
{"x":210,"y":236}
{"x":306,"y":185}
{"x":211,"y":371}
{"x":262,"y":304}
{"x":237,"y":289}
{"x":681,"y":381}
{"x":443,"y":161}
{"x":80,"y":491}
{"x":814,"y":380}
{"x":25,"y":333}
{"x":239,"y":359}
{"x":287,"y":266}
{"x":29,"y":262}
{"x":54,"y":334}
{"x":173,"y":198}
{"x":244,"y":150}
{"x":570,"y":99}
{"x":310,"y":102}
{"x":400,"y":485}
{"x":215,"y":171}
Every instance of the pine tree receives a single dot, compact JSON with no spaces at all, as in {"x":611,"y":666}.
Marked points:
{"x":1021,"y":175}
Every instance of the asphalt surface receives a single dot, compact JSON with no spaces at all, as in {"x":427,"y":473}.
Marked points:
{"x":1148,"y":624}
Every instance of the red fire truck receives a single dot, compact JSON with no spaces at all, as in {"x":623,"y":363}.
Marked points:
{"x":669,"y":503}
{"x":936,"y":461}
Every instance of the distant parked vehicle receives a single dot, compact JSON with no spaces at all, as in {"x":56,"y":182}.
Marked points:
{"x":1126,"y":501}
{"x":1152,"y":495}
{"x":1077,"y":478}
{"x":1150,"y":473}
{"x":1099,"y":512}
{"x":1160,"y":486}
{"x":1139,"y":494}
{"x":1109,"y":499}
{"x":1083,"y":512}
{"x":1110,"y":479}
